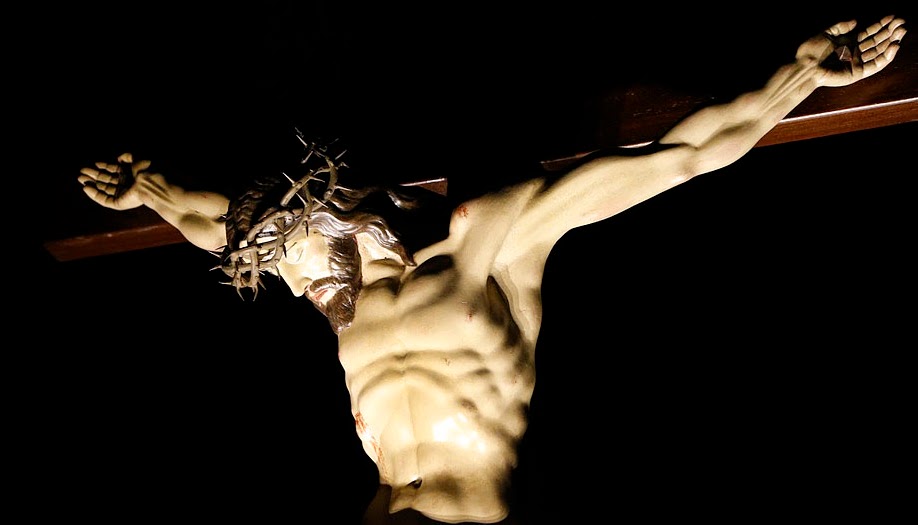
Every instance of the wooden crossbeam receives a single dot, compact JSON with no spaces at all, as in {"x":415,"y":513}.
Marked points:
{"x":643,"y":113}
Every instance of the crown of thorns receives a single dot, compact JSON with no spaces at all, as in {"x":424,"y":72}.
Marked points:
{"x":264,"y":243}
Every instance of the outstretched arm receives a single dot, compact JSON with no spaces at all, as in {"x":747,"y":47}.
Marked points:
{"x":726,"y":132}
{"x":127,"y":184}
{"x":707,"y":140}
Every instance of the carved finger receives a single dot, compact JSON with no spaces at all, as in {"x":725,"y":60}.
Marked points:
{"x":111,"y":168}
{"x":108,"y":189}
{"x":100,"y":176}
{"x":879,"y":63}
{"x":873,"y":29}
{"x":866,"y":42}
{"x":871,"y":54}
{"x":141,"y":165}
{"x":89,"y":172}
{"x":86,"y":179}
{"x":97,"y":193}
{"x":841,"y":28}
{"x":898,"y":34}
{"x":883,"y":59}
{"x":875,"y":65}
{"x":890,"y":29}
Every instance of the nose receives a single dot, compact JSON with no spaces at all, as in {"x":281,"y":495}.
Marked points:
{"x":297,"y":283}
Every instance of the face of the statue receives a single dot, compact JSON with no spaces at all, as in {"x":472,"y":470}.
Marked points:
{"x":306,"y":267}
{"x":327,"y":272}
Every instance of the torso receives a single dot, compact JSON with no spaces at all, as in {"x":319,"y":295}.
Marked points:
{"x":440,"y":368}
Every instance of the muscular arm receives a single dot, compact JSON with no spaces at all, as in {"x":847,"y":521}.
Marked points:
{"x":198,"y":215}
{"x":722,"y":134}
{"x":705,"y":141}
{"x":750,"y":116}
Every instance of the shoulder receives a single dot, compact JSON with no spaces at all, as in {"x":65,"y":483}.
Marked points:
{"x":495,"y":208}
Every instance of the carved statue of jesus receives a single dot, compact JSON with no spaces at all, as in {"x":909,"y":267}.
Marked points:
{"x":438,"y":342}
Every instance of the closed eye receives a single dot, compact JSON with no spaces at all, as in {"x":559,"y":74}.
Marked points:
{"x":294,"y":253}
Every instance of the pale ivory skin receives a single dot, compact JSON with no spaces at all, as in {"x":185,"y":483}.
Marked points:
{"x":439,"y":360}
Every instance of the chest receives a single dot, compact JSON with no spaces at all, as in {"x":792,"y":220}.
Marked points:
{"x":435,"y":309}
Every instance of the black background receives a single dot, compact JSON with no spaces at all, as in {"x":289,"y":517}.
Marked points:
{"x":726,"y":351}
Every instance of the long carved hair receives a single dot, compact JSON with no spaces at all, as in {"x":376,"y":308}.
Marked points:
{"x":274,"y":208}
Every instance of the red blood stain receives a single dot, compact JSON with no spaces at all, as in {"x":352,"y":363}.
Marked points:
{"x":364,"y":432}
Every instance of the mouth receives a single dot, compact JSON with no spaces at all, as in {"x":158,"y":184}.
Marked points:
{"x":316,"y":293}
